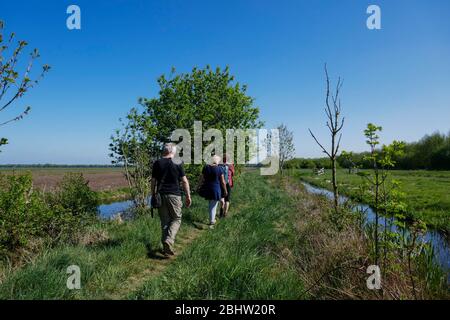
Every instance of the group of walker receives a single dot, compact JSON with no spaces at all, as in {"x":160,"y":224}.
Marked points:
{"x":215,"y":184}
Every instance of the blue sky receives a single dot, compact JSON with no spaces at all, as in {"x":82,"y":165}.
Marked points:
{"x":397,"y":77}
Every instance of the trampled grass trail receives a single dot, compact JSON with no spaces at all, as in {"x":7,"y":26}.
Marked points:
{"x":236,"y":260}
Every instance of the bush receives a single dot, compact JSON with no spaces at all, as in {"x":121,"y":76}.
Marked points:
{"x":75,"y":196}
{"x":23,"y":213}
{"x":27,"y":214}
{"x":74,"y":206}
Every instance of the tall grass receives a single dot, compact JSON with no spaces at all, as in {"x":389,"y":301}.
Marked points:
{"x":332,"y":258}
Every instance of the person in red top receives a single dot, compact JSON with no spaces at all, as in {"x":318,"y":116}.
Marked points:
{"x":228,"y":172}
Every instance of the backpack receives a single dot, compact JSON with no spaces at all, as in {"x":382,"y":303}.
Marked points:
{"x":155,"y":200}
{"x":225,"y":169}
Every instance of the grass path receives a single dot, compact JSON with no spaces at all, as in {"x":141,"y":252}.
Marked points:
{"x":155,"y":263}
{"x":240,"y":258}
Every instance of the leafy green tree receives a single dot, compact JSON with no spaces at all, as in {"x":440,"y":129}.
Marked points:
{"x":210,"y":96}
{"x":440,"y":159}
{"x":207,"y":95}
{"x":14,"y":84}
{"x":426,"y":147}
{"x":347,"y":159}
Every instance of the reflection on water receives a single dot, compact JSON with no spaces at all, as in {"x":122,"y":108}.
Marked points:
{"x":111,"y":210}
{"x":437,"y":240}
{"x":108,"y":211}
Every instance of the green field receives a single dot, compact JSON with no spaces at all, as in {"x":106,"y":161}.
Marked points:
{"x":427,"y":193}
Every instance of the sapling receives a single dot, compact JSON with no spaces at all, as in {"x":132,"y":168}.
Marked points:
{"x":382,"y":160}
{"x":335,"y":123}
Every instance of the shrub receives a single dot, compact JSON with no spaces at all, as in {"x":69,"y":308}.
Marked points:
{"x":23,"y":213}
{"x":74,"y":206}
{"x":75,"y":196}
{"x":27,"y":214}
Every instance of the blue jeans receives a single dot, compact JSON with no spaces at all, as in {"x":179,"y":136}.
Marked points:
{"x":212,"y":211}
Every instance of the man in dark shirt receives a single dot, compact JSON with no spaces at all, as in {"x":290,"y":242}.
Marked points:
{"x":166,"y":178}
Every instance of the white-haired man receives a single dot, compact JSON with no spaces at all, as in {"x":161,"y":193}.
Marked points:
{"x":166,"y":179}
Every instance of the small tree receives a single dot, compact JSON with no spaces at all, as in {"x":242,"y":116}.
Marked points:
{"x":335,"y":124}
{"x":381,"y":161}
{"x":348,"y":159}
{"x":378,"y":178}
{"x":287,"y":148}
{"x":13,"y":86}
{"x":133,"y":146}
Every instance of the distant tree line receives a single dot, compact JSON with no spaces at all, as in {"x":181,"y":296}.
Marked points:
{"x":307,"y":163}
{"x":432,"y":152}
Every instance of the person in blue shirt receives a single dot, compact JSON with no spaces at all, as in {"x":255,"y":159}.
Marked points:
{"x":212,"y":183}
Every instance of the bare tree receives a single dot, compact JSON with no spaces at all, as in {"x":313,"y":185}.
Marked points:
{"x":287,"y":148}
{"x":335,"y":124}
{"x":10,"y":78}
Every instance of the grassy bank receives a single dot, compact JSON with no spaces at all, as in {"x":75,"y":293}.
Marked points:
{"x":426,"y":192}
{"x":110,"y":196}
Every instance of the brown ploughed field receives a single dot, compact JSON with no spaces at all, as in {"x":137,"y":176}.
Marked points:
{"x":100,"y":179}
